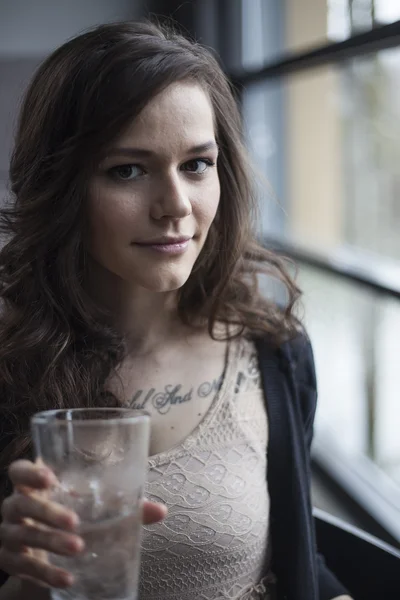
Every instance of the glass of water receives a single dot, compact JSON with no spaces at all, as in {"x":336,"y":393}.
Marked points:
{"x":99,"y":457}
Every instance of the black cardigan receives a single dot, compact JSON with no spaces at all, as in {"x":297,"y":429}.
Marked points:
{"x":289,"y":382}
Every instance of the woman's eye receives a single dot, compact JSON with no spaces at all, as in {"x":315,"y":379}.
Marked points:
{"x":126,"y":172}
{"x":198,"y":166}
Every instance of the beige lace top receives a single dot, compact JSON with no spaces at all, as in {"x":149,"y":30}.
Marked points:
{"x":213,"y":544}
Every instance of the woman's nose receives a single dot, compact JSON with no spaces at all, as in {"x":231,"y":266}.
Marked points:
{"x":172,"y":199}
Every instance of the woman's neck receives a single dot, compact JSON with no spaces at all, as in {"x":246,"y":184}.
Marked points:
{"x":143,"y":317}
{"x":148,"y":319}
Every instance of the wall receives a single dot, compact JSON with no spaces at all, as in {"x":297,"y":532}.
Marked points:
{"x":29,"y":30}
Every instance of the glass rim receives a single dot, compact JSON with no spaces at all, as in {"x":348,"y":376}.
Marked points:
{"x":49,"y":417}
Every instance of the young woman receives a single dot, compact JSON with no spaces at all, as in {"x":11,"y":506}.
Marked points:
{"x":129,"y":277}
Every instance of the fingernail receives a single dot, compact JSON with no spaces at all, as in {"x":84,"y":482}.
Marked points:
{"x":75,"y":544}
{"x":48,"y":476}
{"x":79,"y":545}
{"x":73,"y":520}
{"x":66,"y":579}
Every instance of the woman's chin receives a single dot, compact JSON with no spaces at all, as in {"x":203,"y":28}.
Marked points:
{"x":165,"y":284}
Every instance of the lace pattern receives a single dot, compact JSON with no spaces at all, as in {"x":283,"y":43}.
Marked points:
{"x":213,"y":543}
{"x":264,"y":590}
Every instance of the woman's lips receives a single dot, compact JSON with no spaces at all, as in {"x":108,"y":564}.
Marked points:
{"x":178,"y":246}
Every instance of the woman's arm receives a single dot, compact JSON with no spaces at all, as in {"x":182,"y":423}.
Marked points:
{"x":328,"y":583}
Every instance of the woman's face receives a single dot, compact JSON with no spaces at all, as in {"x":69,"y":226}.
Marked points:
{"x":156,"y":192}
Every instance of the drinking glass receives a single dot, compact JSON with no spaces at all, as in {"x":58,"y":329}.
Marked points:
{"x":99,"y":457}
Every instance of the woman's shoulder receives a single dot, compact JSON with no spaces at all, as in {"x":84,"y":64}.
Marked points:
{"x":291,"y":360}
{"x":298,"y":353}
{"x":293,"y":350}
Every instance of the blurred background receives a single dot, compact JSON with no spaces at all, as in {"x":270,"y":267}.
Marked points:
{"x":319,"y":86}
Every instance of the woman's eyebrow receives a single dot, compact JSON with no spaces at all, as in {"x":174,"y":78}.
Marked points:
{"x":145,"y":153}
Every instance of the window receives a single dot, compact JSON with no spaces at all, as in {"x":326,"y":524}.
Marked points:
{"x":328,"y":141}
{"x":320,"y":106}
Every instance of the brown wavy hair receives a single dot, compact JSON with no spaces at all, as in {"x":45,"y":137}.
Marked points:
{"x":57,"y":348}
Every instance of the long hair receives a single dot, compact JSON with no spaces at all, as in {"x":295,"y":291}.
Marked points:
{"x":57,"y":348}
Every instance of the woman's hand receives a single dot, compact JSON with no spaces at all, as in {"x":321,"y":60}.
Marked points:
{"x":34,"y":525}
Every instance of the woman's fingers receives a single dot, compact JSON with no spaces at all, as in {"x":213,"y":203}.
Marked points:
{"x":25,"y":566}
{"x":21,"y":506}
{"x":18,"y":537}
{"x":18,"y":507}
{"x":25,"y":474}
{"x":34,"y":525}
{"x":153,"y":512}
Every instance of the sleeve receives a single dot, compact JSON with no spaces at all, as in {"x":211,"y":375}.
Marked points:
{"x":329,"y":585}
